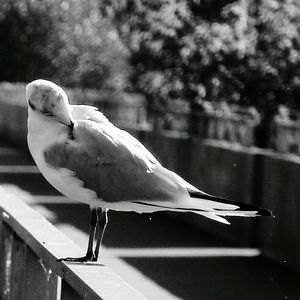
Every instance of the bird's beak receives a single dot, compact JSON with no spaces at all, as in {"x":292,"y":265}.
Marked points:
{"x":65,"y":119}
{"x":70,"y":123}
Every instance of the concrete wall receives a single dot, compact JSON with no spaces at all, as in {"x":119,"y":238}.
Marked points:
{"x":226,"y":171}
{"x":249,"y":175}
{"x":213,"y":167}
{"x":279,"y":238}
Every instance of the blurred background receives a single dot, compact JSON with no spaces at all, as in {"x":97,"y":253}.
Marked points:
{"x":212,"y":88}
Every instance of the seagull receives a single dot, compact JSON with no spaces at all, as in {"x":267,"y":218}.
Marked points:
{"x":86,"y":158}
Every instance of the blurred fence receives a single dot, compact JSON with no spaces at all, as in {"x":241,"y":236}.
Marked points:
{"x":233,"y":124}
{"x":29,"y":268}
{"x":120,"y":107}
{"x":285,"y":136}
{"x":235,"y":129}
{"x":247,"y":174}
{"x":218,"y":121}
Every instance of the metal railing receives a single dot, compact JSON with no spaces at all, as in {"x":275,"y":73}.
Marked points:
{"x":235,"y":128}
{"x":285,"y":137}
{"x":30,"y":247}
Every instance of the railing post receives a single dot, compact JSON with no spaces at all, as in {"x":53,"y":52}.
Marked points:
{"x":5,"y":267}
{"x":1,"y":258}
{"x":18,"y":265}
{"x":40,"y":282}
{"x":68,"y":293}
{"x":22,"y":273}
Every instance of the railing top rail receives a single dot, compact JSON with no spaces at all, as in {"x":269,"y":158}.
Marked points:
{"x":90,"y":280}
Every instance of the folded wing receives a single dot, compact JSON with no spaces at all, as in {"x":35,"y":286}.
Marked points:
{"x":119,"y":168}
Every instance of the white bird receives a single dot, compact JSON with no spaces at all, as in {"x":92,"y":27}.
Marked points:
{"x":87,"y":158}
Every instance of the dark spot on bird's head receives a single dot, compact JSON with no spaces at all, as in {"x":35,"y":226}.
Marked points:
{"x":31,"y":105}
{"x":50,"y":100}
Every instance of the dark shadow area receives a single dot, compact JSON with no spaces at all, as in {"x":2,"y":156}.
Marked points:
{"x":220,"y":278}
{"x":188,"y":278}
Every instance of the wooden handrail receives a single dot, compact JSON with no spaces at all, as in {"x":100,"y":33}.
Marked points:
{"x":30,"y":247}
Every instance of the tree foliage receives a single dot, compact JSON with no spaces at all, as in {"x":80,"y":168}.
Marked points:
{"x":238,"y":51}
{"x":245,"y":52}
{"x":66,"y":41}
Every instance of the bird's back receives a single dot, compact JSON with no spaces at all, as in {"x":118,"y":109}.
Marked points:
{"x":100,"y":161}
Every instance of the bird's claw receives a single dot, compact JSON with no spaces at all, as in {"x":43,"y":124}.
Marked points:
{"x":86,"y":258}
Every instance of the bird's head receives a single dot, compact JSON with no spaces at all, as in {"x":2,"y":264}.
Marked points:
{"x":48,"y":99}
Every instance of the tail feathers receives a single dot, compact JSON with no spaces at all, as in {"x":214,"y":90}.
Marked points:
{"x":213,"y":217}
{"x":241,"y":210}
{"x":211,"y":214}
{"x":209,"y":206}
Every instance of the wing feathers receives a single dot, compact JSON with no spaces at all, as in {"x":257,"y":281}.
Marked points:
{"x":132,"y":168}
{"x":86,"y":112}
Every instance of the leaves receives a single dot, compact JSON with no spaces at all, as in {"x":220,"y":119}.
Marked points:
{"x":66,"y":41}
{"x":245,"y":52}
{"x":237,"y":51}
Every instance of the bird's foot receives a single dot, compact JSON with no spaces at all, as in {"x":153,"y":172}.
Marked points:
{"x":86,"y":258}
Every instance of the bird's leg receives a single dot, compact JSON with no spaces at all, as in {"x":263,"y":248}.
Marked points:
{"x":89,"y":254}
{"x":93,"y":224}
{"x":102,"y":222}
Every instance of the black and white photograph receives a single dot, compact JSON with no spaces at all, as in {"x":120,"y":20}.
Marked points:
{"x":149,"y":149}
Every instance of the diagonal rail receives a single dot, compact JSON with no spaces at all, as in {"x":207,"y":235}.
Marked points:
{"x":30,"y":247}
